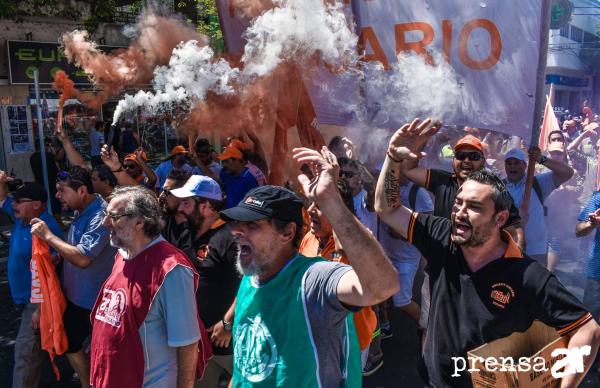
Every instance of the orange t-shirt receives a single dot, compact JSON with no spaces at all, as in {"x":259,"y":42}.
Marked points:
{"x":365,"y":319}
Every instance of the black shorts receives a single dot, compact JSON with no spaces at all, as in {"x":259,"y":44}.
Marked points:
{"x":77,"y":326}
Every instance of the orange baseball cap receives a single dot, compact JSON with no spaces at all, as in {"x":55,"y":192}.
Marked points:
{"x":469,"y":141}
{"x":178,"y":149}
{"x":231,"y":152}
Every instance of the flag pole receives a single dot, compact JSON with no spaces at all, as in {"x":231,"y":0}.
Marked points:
{"x":540,"y":100}
{"x":36,"y":82}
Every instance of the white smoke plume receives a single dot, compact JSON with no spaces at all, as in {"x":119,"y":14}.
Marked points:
{"x":302,"y":31}
{"x":191,"y":73}
{"x":298,"y":29}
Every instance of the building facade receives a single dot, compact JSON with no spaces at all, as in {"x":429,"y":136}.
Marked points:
{"x":575,"y":78}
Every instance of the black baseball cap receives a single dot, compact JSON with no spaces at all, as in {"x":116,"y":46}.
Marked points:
{"x":31,"y":190}
{"x":267,"y":202}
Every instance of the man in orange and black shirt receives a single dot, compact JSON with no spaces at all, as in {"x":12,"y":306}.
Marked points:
{"x":482,"y":287}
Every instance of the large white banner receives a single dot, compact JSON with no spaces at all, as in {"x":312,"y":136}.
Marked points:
{"x":491,"y":47}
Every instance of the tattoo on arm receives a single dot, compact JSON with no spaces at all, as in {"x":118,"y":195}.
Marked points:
{"x":392,"y":189}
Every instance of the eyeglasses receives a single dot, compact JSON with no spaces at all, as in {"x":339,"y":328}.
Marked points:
{"x":347,"y":174}
{"x":115,"y":217}
{"x":473,"y":156}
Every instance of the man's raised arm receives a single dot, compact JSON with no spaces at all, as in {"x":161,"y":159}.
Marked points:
{"x":373,"y":278}
{"x":404,"y":147}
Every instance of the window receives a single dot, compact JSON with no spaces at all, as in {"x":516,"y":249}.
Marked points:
{"x":564,"y":32}
{"x":576,"y":34}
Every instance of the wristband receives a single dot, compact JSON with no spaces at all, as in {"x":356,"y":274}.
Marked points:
{"x":390,"y":156}
{"x":227,"y":326}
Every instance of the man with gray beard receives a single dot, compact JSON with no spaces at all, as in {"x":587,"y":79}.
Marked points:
{"x":213,"y":251}
{"x":146,"y":329}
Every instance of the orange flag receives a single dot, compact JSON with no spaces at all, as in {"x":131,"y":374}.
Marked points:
{"x":550,"y":122}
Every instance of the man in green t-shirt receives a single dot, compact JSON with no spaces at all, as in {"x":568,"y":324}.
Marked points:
{"x":292,"y":324}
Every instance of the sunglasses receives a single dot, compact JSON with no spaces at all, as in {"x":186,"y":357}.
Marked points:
{"x":473,"y":156}
{"x":347,"y":174}
{"x":115,"y":217}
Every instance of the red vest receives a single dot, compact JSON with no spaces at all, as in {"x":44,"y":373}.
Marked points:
{"x":117,"y":358}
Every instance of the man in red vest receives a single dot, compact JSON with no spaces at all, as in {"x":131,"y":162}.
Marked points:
{"x":143,"y":320}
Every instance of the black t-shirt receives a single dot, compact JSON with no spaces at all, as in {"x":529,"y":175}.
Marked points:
{"x":176,"y":234}
{"x":469,"y":308}
{"x":444,"y":186}
{"x":214,"y":255}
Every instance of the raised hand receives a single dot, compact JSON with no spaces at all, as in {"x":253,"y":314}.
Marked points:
{"x":409,"y":140}
{"x":535,"y":153}
{"x":110,"y":157}
{"x":324,"y":170}
{"x":4,"y":177}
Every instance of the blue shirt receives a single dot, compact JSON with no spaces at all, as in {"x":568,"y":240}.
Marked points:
{"x":82,"y":285}
{"x":19,"y":253}
{"x":163,"y":170}
{"x":236,"y":187}
{"x":593,"y":265}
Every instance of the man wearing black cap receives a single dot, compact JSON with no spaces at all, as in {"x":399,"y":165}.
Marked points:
{"x":292,"y":323}
{"x":28,"y":202}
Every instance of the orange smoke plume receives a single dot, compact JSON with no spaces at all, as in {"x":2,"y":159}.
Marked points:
{"x":120,"y":69}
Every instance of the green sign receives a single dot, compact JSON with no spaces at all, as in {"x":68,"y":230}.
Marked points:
{"x":560,"y":13}
{"x":26,"y":56}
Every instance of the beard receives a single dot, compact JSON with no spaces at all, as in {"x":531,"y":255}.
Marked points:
{"x":195,"y":219}
{"x":479,"y":235}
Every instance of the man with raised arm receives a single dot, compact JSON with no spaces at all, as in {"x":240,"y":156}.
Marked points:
{"x":292,"y":325}
{"x":482,"y":286}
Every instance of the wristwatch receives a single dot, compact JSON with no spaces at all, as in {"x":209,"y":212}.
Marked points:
{"x":543,"y":159}
{"x":227,"y":325}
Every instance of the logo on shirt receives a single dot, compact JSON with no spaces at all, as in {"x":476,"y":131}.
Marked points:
{"x":502,"y":294}
{"x":254,"y":202}
{"x":112,"y":307}
{"x":202,"y":252}
{"x":255,"y":351}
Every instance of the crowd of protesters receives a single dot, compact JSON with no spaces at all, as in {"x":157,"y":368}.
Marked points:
{"x":199,"y":271}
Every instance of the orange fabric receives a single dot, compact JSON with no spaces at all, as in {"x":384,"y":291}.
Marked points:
{"x":469,"y":140}
{"x":231,"y":152}
{"x":178,"y":149}
{"x":52,"y":330}
{"x":365,"y":319}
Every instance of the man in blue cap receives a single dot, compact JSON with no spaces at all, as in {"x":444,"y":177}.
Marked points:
{"x":213,"y":251}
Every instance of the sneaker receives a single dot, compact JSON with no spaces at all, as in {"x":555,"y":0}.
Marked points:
{"x":386,"y":332}
{"x":372,"y":366}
